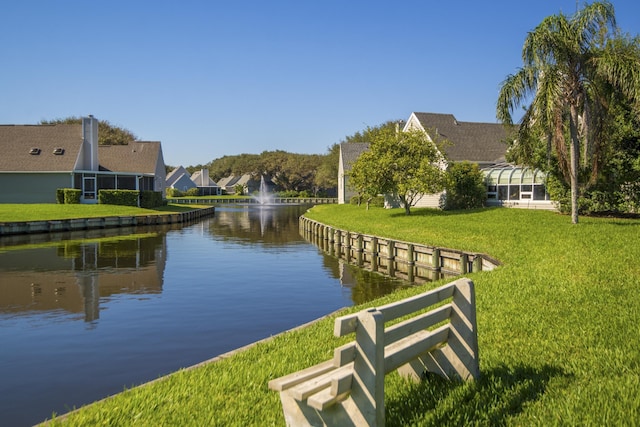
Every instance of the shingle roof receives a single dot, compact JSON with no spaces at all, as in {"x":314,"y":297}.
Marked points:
{"x":17,"y":140}
{"x":136,"y":157}
{"x":475,"y":142}
{"x":351,"y":151}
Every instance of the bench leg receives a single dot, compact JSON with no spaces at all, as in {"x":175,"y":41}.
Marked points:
{"x":365,"y":404}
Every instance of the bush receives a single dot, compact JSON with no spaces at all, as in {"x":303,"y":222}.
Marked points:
{"x":118,"y":197}
{"x":60,"y":196}
{"x":465,"y":187}
{"x":151,"y":199}
{"x":192,"y":192}
{"x":72,"y":196}
{"x":288,"y":193}
{"x":174,"y":192}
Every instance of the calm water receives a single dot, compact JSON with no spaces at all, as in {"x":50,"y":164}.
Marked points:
{"x":83,"y":316}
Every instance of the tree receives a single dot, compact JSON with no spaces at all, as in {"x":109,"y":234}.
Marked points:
{"x":370,"y":133}
{"x":108,"y":134}
{"x":572,"y":66}
{"x":465,"y":186}
{"x":405,"y":165}
{"x":327,"y":174}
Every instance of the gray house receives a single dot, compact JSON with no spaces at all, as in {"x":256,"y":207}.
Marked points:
{"x":349,"y":153}
{"x":39,"y":159}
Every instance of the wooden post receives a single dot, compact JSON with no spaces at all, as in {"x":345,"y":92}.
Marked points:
{"x":464,"y":263}
{"x":477,"y":263}
{"x":435,"y":260}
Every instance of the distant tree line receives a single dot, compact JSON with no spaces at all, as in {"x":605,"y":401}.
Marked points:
{"x":313,"y":174}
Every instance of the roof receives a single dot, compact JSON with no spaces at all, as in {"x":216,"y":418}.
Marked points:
{"x":350,"y":151}
{"x":16,"y":141}
{"x":201,"y":180}
{"x":136,"y":157}
{"x":471,"y":141}
{"x":228,"y":181}
{"x":175,"y":175}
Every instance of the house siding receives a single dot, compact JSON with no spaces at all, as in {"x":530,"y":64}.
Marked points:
{"x":33,"y":187}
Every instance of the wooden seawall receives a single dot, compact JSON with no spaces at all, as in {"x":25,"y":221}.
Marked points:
{"x":409,"y":261}
{"x":31,"y":227}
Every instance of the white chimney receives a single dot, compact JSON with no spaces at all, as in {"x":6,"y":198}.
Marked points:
{"x":90,"y":142}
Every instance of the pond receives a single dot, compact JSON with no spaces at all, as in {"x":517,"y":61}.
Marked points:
{"x":84,"y":315}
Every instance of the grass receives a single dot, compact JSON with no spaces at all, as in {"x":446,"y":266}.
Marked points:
{"x":49,"y":211}
{"x":559,"y":333}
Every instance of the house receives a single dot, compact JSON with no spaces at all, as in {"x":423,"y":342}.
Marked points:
{"x":480,"y":143}
{"x":250,"y":183}
{"x":180,"y":179}
{"x":349,"y":153}
{"x":206,"y":186}
{"x":228,"y":184}
{"x":39,"y":159}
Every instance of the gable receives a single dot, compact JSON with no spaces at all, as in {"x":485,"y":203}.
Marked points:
{"x":16,"y":142}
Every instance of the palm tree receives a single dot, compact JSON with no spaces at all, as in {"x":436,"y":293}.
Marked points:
{"x":572,"y":67}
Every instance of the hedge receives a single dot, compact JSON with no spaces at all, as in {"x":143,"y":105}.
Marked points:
{"x":151,"y":199}
{"x":118,"y":197}
{"x":71,"y":196}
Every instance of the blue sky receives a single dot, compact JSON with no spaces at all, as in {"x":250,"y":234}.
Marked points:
{"x":215,"y":78}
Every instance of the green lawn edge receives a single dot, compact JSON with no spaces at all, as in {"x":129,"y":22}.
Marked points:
{"x":558,"y":331}
{"x":50,"y":212}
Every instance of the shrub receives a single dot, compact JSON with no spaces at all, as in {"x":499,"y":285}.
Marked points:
{"x":60,"y":196}
{"x":288,"y":193}
{"x":192,"y":192}
{"x":72,"y":196}
{"x":118,"y":197}
{"x":151,"y":199}
{"x":465,"y":187}
{"x":174,"y":192}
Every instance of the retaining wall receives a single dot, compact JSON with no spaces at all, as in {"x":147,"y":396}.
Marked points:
{"x":248,"y":200}
{"x":409,"y":261}
{"x":31,"y":227}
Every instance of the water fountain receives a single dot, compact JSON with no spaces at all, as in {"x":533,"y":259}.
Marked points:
{"x":264,"y":197}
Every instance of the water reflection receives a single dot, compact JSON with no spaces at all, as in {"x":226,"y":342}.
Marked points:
{"x":73,"y":275}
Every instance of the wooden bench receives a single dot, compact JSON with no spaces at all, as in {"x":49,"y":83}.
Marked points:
{"x":349,"y":389}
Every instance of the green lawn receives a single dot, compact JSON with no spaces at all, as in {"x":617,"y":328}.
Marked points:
{"x":559,"y":333}
{"x":50,"y":211}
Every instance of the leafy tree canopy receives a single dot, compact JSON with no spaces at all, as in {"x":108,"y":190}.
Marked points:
{"x":406,"y":165}
{"x":108,"y":134}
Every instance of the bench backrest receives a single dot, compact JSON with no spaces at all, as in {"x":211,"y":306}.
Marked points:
{"x":459,"y":330}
